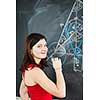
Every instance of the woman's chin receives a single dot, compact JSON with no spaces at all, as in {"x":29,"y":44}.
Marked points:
{"x":43,"y":57}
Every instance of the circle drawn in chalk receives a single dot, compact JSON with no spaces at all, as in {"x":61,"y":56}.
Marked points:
{"x":53,"y":52}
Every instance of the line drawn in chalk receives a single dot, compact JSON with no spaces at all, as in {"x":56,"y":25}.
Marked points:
{"x":71,"y":38}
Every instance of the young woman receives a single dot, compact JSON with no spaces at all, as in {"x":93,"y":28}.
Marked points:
{"x":35,"y":84}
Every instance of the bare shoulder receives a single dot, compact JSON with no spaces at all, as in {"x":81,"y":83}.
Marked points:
{"x":37,"y":71}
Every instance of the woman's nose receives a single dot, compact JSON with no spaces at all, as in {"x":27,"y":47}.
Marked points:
{"x":44,"y":49}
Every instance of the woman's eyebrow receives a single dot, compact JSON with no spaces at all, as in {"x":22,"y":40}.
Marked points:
{"x":42,"y":44}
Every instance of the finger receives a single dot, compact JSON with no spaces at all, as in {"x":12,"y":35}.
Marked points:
{"x":59,"y":59}
{"x":56,"y":59}
{"x":52,"y":59}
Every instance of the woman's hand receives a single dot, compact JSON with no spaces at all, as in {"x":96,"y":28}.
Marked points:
{"x":56,"y":63}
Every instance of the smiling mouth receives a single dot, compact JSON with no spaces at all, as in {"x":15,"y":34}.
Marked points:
{"x":43,"y":52}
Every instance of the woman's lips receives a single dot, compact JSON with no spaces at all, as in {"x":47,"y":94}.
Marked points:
{"x":43,"y":52}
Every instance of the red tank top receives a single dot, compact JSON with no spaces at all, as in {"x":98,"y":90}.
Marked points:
{"x":36,"y":92}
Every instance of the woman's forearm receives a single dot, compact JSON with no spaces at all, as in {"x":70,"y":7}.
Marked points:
{"x":23,"y":91}
{"x":60,"y":83}
{"x":24,"y":96}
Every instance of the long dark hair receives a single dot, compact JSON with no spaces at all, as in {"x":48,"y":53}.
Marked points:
{"x":31,"y":40}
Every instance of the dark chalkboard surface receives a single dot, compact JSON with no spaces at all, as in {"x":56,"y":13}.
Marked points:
{"x":61,"y":21}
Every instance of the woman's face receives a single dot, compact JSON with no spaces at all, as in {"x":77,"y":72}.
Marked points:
{"x":39,"y":50}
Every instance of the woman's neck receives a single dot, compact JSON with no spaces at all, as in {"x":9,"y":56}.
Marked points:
{"x":37,"y":60}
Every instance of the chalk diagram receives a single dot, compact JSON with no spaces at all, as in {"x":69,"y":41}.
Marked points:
{"x":71,"y":39}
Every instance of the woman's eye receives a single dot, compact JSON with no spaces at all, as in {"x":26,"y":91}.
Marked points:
{"x":38,"y":46}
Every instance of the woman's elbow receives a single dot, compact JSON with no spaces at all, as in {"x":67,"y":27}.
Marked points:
{"x":22,"y":91}
{"x":61,"y":94}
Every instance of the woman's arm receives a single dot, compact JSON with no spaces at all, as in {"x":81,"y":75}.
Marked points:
{"x":58,"y":89}
{"x":23,"y":91}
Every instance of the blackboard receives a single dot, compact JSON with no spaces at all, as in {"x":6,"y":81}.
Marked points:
{"x":61,"y":21}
